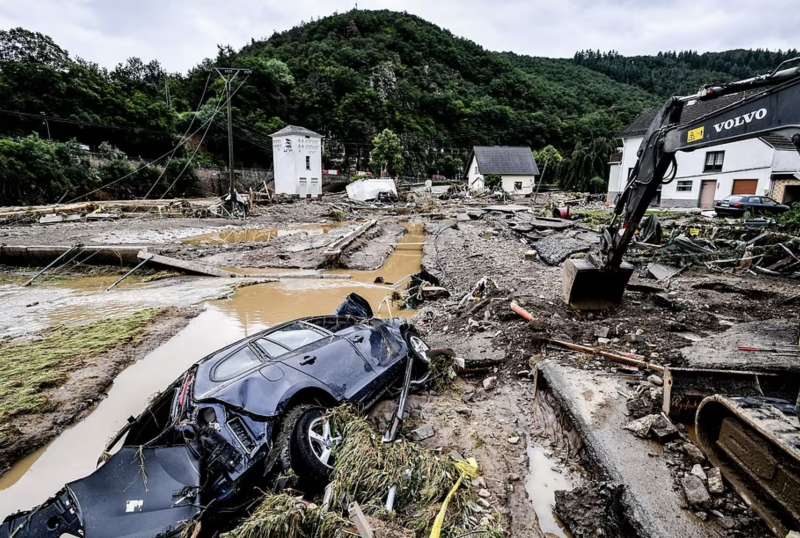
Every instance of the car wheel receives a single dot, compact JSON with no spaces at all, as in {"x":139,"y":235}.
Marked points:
{"x":312,"y":439}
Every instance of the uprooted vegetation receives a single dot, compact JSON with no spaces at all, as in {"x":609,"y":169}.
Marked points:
{"x":364,"y":470}
{"x":28,"y":367}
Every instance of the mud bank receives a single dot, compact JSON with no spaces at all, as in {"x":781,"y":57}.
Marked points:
{"x":83,"y":389}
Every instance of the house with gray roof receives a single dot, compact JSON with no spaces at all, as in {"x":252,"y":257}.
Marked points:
{"x":766,"y":166}
{"x":297,"y":161}
{"x":514,"y":165}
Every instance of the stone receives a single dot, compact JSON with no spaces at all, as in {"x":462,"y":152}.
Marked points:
{"x":696,"y":492}
{"x":531,"y":255}
{"x":694,"y":453}
{"x":484,"y":503}
{"x":727,"y":522}
{"x":422,"y":433}
{"x":602,"y":332}
{"x":514,"y":439}
{"x":640,"y":406}
{"x":715,"y":484}
{"x":655,"y":380}
{"x":697,"y":470}
{"x":641,"y":427}
{"x":663,"y":428}
{"x":484,"y":493}
{"x":490,"y":383}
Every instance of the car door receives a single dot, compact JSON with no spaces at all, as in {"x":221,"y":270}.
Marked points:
{"x":330,"y":359}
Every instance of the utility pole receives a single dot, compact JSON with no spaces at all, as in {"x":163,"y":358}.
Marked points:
{"x":228,"y":75}
{"x":46,"y":124}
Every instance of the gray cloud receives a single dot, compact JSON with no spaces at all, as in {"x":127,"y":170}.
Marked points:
{"x":180,"y":33}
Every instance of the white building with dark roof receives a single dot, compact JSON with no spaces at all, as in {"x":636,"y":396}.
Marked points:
{"x":297,"y":161}
{"x":515,"y":166}
{"x":766,"y":166}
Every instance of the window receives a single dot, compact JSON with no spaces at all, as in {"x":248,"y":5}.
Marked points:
{"x":271,"y":348}
{"x":768,"y":201}
{"x":240,"y":361}
{"x":630,"y":172}
{"x":295,"y":335}
{"x":684,"y":186}
{"x":714,"y":161}
{"x":287,"y":145}
{"x":308,"y":162}
{"x":518,"y":185}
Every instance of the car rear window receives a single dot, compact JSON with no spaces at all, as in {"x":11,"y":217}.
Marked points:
{"x":735,"y":198}
{"x":240,"y":361}
{"x":295,"y":335}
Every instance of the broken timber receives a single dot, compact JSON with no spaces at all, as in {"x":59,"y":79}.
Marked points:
{"x":184,"y":266}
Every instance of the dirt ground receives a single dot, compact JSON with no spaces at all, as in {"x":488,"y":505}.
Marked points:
{"x":492,"y":412}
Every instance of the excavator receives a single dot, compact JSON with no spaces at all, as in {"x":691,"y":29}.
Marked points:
{"x":753,"y":440}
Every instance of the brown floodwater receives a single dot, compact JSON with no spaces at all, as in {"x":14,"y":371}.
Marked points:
{"x":259,"y":235}
{"x":74,"y":453}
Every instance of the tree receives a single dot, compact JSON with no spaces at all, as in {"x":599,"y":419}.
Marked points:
{"x":24,"y":46}
{"x":387,"y":153}
{"x":548,"y":159}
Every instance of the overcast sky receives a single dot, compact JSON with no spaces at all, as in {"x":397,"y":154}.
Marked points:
{"x":180,"y":33}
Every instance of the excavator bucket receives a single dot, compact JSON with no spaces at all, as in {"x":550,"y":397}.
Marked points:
{"x":588,"y":288}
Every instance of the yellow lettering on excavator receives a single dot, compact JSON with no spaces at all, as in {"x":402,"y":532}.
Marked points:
{"x":695,"y":135}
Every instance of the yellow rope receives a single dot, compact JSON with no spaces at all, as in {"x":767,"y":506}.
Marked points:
{"x":468,"y":468}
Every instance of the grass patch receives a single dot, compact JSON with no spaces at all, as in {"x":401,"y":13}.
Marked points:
{"x":365,"y":468}
{"x":26,"y":368}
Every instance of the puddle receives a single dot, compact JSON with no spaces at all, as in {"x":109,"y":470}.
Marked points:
{"x":541,"y":483}
{"x":258,"y":235}
{"x":74,"y":453}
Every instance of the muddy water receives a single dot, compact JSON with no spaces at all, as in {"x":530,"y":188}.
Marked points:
{"x":258,"y":235}
{"x":543,"y":480}
{"x":74,"y":453}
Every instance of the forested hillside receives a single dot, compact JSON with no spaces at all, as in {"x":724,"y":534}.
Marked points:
{"x":349,"y":76}
{"x":682,"y":73}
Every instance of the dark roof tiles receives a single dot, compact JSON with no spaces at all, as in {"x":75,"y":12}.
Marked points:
{"x":505,"y":160}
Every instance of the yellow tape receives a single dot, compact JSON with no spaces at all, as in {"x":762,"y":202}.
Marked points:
{"x":468,"y":468}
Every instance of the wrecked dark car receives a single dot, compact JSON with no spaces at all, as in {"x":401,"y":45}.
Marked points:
{"x":216,"y":435}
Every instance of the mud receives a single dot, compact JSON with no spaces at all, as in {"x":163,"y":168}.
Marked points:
{"x":528,"y":449}
{"x":73,"y":400}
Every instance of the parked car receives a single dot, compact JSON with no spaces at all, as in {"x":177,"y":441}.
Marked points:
{"x":737,"y":205}
{"x":254,"y":408}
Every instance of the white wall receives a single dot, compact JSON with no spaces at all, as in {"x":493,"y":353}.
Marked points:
{"x":292,"y":175}
{"x":528,"y":183}
{"x":786,"y":161}
{"x":618,"y":176}
{"x":474,"y":177}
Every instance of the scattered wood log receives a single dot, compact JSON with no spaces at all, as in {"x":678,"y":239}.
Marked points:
{"x":185,"y":266}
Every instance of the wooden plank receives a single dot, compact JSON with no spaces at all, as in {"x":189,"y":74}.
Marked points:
{"x":185,"y":266}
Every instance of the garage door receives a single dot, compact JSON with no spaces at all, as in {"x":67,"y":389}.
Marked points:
{"x":744,"y":186}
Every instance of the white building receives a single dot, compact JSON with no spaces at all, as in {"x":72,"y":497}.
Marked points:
{"x":766,"y":166}
{"x":297,"y":161}
{"x":514,"y":165}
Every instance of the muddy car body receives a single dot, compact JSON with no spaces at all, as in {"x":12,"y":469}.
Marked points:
{"x":245,"y":411}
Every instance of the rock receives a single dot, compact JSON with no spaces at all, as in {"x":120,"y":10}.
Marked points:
{"x":697,"y":470}
{"x":484,"y":503}
{"x":514,"y":439}
{"x":422,"y":433}
{"x":524,"y":373}
{"x":603,"y":341}
{"x":663,"y":428}
{"x":484,"y":493}
{"x":696,"y":493}
{"x":602,"y":332}
{"x":655,"y":380}
{"x":694,"y":453}
{"x":514,"y":478}
{"x":727,"y":522}
{"x":531,"y":255}
{"x":640,"y":406}
{"x":641,"y":427}
{"x":702,"y":516}
{"x":715,"y":483}
{"x":490,"y":383}
{"x":480,"y":482}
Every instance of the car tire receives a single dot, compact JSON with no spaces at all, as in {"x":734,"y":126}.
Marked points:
{"x":302,"y":444}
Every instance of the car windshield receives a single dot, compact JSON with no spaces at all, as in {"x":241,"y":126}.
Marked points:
{"x":294,"y":336}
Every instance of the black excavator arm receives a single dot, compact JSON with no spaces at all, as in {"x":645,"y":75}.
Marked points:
{"x":768,"y":104}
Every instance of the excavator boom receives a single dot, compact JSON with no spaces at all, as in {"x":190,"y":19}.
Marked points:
{"x":768,"y":104}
